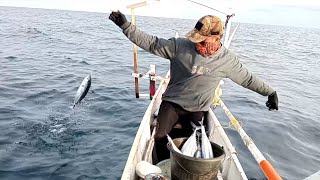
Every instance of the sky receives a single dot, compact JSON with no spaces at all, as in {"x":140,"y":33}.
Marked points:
{"x":300,"y":13}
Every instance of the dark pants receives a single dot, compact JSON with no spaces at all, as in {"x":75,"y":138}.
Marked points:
{"x":169,"y":115}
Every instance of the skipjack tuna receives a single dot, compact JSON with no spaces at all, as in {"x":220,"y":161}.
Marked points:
{"x":82,"y":90}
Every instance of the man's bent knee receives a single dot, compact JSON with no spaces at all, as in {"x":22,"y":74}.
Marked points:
{"x":160,"y":136}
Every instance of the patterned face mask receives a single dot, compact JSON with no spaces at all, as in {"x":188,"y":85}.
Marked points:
{"x":208,"y":48}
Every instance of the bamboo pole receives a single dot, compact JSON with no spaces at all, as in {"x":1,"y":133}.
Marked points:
{"x":264,"y":164}
{"x":135,"y":57}
{"x":137,"y":5}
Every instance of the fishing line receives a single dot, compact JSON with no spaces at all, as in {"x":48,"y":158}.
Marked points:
{"x":207,"y":7}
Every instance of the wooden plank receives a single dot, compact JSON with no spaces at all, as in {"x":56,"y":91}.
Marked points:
{"x":140,"y":4}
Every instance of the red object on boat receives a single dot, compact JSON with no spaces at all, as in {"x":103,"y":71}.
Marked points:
{"x":152,"y":87}
{"x":152,"y":79}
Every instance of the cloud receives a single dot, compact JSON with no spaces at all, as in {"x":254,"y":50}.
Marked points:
{"x":305,"y":8}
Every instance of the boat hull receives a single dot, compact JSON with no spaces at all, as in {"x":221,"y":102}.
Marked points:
{"x":143,"y":144}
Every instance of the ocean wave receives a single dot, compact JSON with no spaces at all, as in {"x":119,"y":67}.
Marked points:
{"x":33,"y":30}
{"x":83,"y":62}
{"x":11,"y":57}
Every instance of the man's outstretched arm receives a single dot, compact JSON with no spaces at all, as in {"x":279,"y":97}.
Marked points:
{"x":240,"y":75}
{"x":158,"y":46}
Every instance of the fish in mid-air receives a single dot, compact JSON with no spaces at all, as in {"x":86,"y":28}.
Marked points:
{"x":82,"y":90}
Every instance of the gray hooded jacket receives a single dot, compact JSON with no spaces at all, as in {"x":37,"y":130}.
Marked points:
{"x":193,"y":77}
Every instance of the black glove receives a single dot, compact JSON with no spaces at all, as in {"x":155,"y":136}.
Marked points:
{"x":118,"y":18}
{"x":272,"y":102}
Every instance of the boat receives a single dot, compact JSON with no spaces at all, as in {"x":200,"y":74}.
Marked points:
{"x":143,"y":145}
{"x":231,"y":169}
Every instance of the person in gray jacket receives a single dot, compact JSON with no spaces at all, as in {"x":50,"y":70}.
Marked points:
{"x":197,"y":64}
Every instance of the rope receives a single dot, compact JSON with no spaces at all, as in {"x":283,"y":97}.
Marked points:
{"x":217,"y":101}
{"x":230,"y":125}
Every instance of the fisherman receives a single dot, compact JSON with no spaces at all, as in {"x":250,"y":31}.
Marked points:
{"x":197,"y":64}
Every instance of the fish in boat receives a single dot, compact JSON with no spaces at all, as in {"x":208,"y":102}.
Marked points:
{"x":82,"y":90}
{"x":206,"y":148}
{"x":190,"y":147}
{"x":173,"y":145}
{"x":198,"y":152}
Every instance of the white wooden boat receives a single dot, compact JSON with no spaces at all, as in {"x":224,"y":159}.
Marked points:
{"x":143,"y":143}
{"x":231,"y":169}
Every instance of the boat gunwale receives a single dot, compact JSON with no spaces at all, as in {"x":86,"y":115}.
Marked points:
{"x":143,"y":127}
